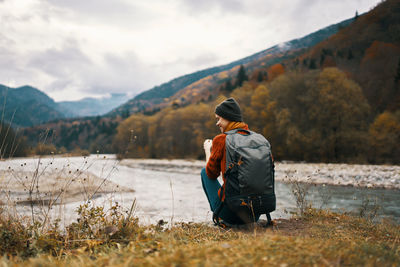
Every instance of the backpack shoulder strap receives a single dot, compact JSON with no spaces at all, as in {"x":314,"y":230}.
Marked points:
{"x":237,"y":130}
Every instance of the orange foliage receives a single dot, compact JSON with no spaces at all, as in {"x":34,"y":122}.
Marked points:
{"x":379,"y":49}
{"x":275,"y":70}
{"x":329,"y":62}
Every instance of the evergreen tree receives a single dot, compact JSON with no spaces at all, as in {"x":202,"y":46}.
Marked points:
{"x":312,"y":65}
{"x":125,"y":113}
{"x":262,"y":75}
{"x":322,"y":60}
{"x":241,"y":76}
{"x":228,"y":86}
{"x":350,"y":55}
{"x":397,"y":78}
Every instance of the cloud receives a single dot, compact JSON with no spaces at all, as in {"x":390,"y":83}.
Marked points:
{"x":13,"y":70}
{"x":203,"y":59}
{"x":129,"y":14}
{"x":73,"y":48}
{"x":72,"y":70}
{"x":199,"y":7}
{"x":60,"y":62}
{"x":123,"y":72}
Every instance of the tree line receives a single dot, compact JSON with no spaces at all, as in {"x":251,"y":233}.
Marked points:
{"x":313,"y":116}
{"x":317,"y":116}
{"x":11,"y":144}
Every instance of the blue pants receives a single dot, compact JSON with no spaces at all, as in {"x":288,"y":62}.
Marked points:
{"x":211,"y":188}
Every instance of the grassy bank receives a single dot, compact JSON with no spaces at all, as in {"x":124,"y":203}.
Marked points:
{"x":115,"y":238}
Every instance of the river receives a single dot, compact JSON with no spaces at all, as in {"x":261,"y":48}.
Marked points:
{"x":171,"y":190}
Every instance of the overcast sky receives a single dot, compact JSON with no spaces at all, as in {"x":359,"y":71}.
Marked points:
{"x":72,"y":49}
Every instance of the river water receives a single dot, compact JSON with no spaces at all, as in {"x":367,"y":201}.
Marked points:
{"x":171,"y":190}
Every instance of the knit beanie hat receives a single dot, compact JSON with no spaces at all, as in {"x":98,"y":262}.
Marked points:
{"x":230,"y":110}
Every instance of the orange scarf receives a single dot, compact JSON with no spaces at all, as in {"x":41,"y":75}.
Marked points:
{"x":236,"y":125}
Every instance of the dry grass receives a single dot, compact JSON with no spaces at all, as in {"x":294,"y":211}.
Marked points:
{"x":105,"y":237}
{"x":318,"y":238}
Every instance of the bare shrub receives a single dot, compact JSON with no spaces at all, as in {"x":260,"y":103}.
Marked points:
{"x":369,"y":207}
{"x":300,"y":191}
{"x":325,"y":193}
{"x":46,"y":184}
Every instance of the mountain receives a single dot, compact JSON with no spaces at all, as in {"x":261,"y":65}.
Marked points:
{"x":27,"y":106}
{"x":155,"y":98}
{"x":93,"y":106}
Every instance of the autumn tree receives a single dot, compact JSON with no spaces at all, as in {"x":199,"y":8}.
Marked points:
{"x":131,"y":139}
{"x":274,"y":71}
{"x":339,"y":112}
{"x":256,"y":114}
{"x":243,"y":96}
{"x":261,"y":116}
{"x":289,"y":92}
{"x":172,"y":133}
{"x":384,"y":138}
{"x":320,"y":116}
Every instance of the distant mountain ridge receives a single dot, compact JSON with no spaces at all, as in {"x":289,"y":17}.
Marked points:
{"x":157,"y":94}
{"x":27,"y":106}
{"x":90,"y":106}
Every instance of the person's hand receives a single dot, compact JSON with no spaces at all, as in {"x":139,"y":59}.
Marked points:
{"x":207,"y":145}
{"x":207,"y":148}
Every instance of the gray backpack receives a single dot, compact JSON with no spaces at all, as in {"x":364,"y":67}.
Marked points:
{"x":250,"y":175}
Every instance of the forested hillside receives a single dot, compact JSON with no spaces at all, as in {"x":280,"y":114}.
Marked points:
{"x":335,"y":102}
{"x":368,"y":51}
{"x":94,"y":134}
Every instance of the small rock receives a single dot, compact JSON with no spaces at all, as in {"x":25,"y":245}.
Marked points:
{"x":225,"y":245}
{"x":110,"y":230}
